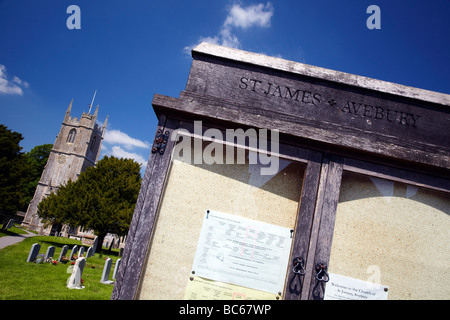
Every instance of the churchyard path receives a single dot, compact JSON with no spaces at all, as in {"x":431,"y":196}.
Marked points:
{"x":9,"y":240}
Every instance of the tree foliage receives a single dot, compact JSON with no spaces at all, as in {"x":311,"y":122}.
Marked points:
{"x":38,"y":157}
{"x":13,"y":169}
{"x":36,"y":160}
{"x":19,"y":172}
{"x":102,"y":198}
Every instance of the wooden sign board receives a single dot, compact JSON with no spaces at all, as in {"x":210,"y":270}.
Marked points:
{"x":331,"y":125}
{"x":335,"y":108}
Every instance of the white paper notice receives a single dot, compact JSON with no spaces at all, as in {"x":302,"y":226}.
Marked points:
{"x":345,"y":288}
{"x":243,"y":252}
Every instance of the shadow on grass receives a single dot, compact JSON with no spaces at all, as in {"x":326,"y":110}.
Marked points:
{"x":13,"y":231}
{"x":10,"y":233}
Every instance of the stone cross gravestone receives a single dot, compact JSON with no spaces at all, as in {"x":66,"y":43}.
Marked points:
{"x":34,"y":252}
{"x":74,"y":251}
{"x":49,"y":254}
{"x":63,"y":252}
{"x":74,"y":281}
{"x":106,"y":272}
{"x":116,"y":268}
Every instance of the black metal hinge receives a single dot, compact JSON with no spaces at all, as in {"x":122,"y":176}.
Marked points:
{"x":160,"y":142}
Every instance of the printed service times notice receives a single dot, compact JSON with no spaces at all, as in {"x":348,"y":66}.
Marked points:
{"x":243,"y":252}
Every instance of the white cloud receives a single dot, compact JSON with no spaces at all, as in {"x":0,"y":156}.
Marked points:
{"x":119,"y":144}
{"x":118,"y":152}
{"x":258,"y":15}
{"x":13,"y":86}
{"x":20,"y":82}
{"x":121,"y":138}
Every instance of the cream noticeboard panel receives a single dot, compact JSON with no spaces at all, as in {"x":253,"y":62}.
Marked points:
{"x":393,"y":234}
{"x":190,"y":189}
{"x":243,"y":252}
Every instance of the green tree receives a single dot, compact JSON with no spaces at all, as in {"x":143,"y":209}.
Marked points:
{"x":102,"y":198}
{"x":19,"y":172}
{"x":36,"y":161}
{"x":38,"y":157}
{"x":13,"y":169}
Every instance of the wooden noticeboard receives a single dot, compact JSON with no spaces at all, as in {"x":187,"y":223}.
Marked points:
{"x":362,"y":180}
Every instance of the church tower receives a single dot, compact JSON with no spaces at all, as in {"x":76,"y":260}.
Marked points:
{"x":77,"y":147}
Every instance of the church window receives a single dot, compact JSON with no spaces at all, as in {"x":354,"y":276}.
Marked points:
{"x":94,"y":139}
{"x":71,"y":136}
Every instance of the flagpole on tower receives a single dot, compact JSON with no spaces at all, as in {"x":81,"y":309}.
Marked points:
{"x":92,"y":103}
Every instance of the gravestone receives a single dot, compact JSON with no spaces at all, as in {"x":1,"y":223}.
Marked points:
{"x":63,"y":252}
{"x":81,"y":251}
{"x":111,"y":244}
{"x":89,"y":252}
{"x":74,"y":251}
{"x":9,"y":224}
{"x":94,"y":246}
{"x":106,"y":272}
{"x":34,"y":252}
{"x":49,"y":254}
{"x":116,"y":268}
{"x":74,"y":281}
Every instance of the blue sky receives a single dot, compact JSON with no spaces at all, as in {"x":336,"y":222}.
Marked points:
{"x":130,"y":50}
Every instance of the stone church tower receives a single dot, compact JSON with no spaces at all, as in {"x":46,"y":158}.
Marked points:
{"x":77,"y":147}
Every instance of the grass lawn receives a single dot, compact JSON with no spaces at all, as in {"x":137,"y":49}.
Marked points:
{"x":21,"y":280}
{"x":11,"y":232}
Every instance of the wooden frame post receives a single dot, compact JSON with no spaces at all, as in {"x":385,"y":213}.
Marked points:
{"x":144,"y":218}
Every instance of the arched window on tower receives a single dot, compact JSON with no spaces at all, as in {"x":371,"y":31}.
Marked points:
{"x":71,"y":136}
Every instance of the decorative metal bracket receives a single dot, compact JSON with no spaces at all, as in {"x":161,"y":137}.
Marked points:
{"x":322,"y":278}
{"x":299,"y":266}
{"x":299,"y":272}
{"x":321,"y":272}
{"x":160,"y":142}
